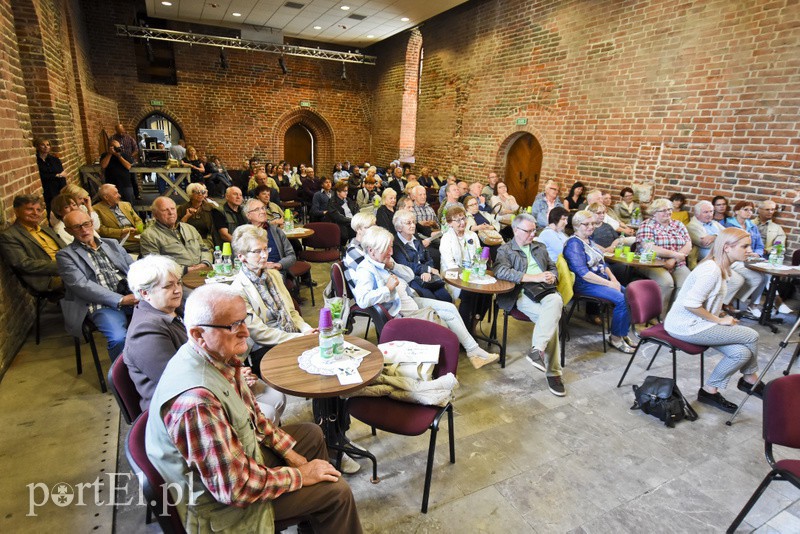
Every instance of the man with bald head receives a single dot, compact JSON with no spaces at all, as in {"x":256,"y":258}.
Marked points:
{"x":118,"y":219}
{"x":179,"y":241}
{"x":232,"y":212}
{"x":94,"y":272}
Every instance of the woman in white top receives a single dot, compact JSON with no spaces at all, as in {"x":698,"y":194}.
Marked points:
{"x":695,"y":318}
{"x":457,"y":245}
{"x":507,"y":202}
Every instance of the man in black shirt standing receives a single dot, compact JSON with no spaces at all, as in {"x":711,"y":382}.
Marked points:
{"x":116,"y":167}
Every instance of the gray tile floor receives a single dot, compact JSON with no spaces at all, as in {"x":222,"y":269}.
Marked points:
{"x":526,"y":461}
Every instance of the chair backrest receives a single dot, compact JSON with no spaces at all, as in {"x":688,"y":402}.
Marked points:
{"x":796,"y":257}
{"x":644,"y":300}
{"x":326,"y":235}
{"x":288,"y":194}
{"x":566,"y":280}
{"x":338,"y":282}
{"x":124,"y":390}
{"x":428,"y":333}
{"x":782,"y":411}
{"x":152,"y":483}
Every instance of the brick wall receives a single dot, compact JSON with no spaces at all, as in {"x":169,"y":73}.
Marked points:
{"x":241,"y":111}
{"x":696,"y":96}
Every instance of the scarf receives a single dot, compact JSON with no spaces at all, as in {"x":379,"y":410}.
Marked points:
{"x":276,"y":314}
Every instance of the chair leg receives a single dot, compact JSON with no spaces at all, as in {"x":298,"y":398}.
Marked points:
{"x":702,"y":368}
{"x":429,"y":471}
{"x":638,"y":346}
{"x":563,"y":335}
{"x":675,"y":365}
{"x":603,"y":322}
{"x":311,"y":289}
{"x":96,"y":357}
{"x":36,"y":327}
{"x":505,"y":337}
{"x":753,"y":499}
{"x":452,"y":434}
{"x":78,"y":362}
{"x":654,"y":358}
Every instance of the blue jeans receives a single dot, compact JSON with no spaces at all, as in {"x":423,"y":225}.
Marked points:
{"x":621,"y":318}
{"x":113,"y":324}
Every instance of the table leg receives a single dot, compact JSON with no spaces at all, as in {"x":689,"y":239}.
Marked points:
{"x":769,"y":304}
{"x":491,"y":339}
{"x":331,"y":415}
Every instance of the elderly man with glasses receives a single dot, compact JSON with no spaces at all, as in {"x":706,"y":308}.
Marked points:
{"x":544,"y":202}
{"x":94,"y":272}
{"x":207,"y":436}
{"x":527,"y":264}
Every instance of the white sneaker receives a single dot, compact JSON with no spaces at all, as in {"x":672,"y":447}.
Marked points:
{"x":783,"y":308}
{"x":755,"y":312}
{"x":349,"y":466}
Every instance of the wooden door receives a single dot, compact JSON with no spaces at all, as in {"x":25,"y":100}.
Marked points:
{"x":298,"y":146}
{"x":523,"y":167}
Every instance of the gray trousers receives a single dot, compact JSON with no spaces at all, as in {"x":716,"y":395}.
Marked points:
{"x":739,"y":348}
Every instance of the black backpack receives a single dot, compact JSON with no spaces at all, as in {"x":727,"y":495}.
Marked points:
{"x":661,"y":398}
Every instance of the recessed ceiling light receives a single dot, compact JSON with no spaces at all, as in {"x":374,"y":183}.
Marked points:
{"x":405,"y":19}
{"x":370,"y":36}
{"x":236,"y":14}
{"x":166,"y":4}
{"x":317,"y":27}
{"x":344,"y":8}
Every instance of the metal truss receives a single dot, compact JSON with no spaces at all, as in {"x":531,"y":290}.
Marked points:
{"x":242,"y":44}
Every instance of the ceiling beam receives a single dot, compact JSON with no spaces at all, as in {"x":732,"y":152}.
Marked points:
{"x":242,"y":44}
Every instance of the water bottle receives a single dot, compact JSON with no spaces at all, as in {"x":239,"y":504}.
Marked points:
{"x":217,"y":260}
{"x":773,"y":256}
{"x":288,"y":220}
{"x":331,"y":339}
{"x":226,"y":265}
{"x":779,"y":249}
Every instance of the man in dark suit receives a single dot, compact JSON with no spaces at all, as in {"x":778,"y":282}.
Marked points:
{"x":92,"y":269}
{"x":31,"y":249}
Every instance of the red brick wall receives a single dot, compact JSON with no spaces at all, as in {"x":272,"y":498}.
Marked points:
{"x":241,"y":111}
{"x":699,"y":96}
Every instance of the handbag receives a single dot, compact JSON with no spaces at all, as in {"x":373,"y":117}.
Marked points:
{"x":435,"y":283}
{"x":661,"y":398}
{"x":409,"y":360}
{"x":536,"y":291}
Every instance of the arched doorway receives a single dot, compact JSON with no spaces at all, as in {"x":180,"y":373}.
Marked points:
{"x":298,"y":146}
{"x":161,"y":127}
{"x":523,"y":168}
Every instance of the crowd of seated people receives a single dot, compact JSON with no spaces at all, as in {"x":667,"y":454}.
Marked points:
{"x":398,"y":237}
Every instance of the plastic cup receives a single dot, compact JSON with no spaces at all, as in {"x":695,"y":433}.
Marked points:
{"x":325,"y":318}
{"x":140,"y":227}
{"x":618,"y":252}
{"x":626,"y":249}
{"x":226,"y":249}
{"x":465,"y":274}
{"x":485,"y":253}
{"x":629,"y":256}
{"x":336,"y":307}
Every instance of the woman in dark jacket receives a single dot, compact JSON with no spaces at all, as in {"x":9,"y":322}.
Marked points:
{"x":409,"y":251}
{"x":385,"y":213}
{"x":341,"y":210}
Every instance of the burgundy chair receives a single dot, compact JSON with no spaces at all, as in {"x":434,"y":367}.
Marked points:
{"x":124,"y":390}
{"x":88,"y":335}
{"x":301,"y":275}
{"x":153,"y":485}
{"x":325,"y":243}
{"x":413,"y":419}
{"x":781,"y":413}
{"x":644,"y":301}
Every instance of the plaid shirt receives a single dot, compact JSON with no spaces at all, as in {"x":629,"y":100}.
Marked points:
{"x":107,"y":274}
{"x":199,"y":427}
{"x":672,"y":237}
{"x":424,"y":213}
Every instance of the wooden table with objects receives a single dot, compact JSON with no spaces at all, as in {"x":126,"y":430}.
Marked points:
{"x":280,"y":369}
{"x":635,"y":262}
{"x":496,"y":288}
{"x":777,"y":273}
{"x":299,"y":233}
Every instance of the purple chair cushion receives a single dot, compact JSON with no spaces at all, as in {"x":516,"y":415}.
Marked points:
{"x":781,"y":409}
{"x":658,"y":332}
{"x":519,"y":316}
{"x":792,"y":466}
{"x":392,"y":415}
{"x":124,"y":387}
{"x":320,"y":256}
{"x":644,"y":300}
{"x":299,"y":268}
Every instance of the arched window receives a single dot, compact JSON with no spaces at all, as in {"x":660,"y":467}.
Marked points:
{"x":159,"y":126}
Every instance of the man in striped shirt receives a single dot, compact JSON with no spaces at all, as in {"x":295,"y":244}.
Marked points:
{"x":207,"y":436}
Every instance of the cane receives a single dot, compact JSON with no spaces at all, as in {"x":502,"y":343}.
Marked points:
{"x":782,"y":345}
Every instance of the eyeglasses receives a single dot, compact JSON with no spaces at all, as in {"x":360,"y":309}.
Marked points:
{"x":76,"y":227}
{"x":586,"y":224}
{"x":665,"y":210}
{"x":260,"y":251}
{"x":261,"y":209}
{"x":526,"y":231}
{"x":230,"y":327}
{"x":200,"y":191}
{"x":747,"y":209}
{"x":458,"y":220}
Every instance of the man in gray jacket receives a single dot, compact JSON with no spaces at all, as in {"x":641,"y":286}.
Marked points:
{"x":92,"y":269}
{"x":527,"y":264}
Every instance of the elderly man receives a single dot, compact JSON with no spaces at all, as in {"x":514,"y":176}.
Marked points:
{"x":476,"y":190}
{"x":546,"y":201}
{"x":232,"y":215}
{"x":118,"y":219}
{"x":770,"y":232}
{"x":451,"y":196}
{"x":427,"y":221}
{"x":245,"y":472}
{"x":30,"y":249}
{"x":596,"y":196}
{"x":281,"y":254}
{"x":488,"y":190}
{"x":397,"y":181}
{"x":94,"y":272}
{"x":451,"y":180}
{"x":179,"y":241}
{"x":116,"y":165}
{"x":262,"y":178}
{"x":526,"y":263}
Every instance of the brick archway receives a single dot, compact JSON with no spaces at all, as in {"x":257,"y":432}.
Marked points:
{"x":319,"y":127}
{"x":151,"y":110}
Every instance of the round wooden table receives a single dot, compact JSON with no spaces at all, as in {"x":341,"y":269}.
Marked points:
{"x":300,"y":233}
{"x":280,"y":369}
{"x":635,"y":262}
{"x":195,"y":279}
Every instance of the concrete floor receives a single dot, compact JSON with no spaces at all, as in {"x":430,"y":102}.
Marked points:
{"x":526,"y":461}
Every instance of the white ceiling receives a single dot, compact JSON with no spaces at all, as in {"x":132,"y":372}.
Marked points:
{"x":383,"y":17}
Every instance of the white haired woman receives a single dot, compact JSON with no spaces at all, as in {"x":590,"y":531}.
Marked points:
{"x":409,"y":251}
{"x":199,"y":212}
{"x":385,"y":213}
{"x":695,"y":318}
{"x":671,"y":242}
{"x":375,"y":284}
